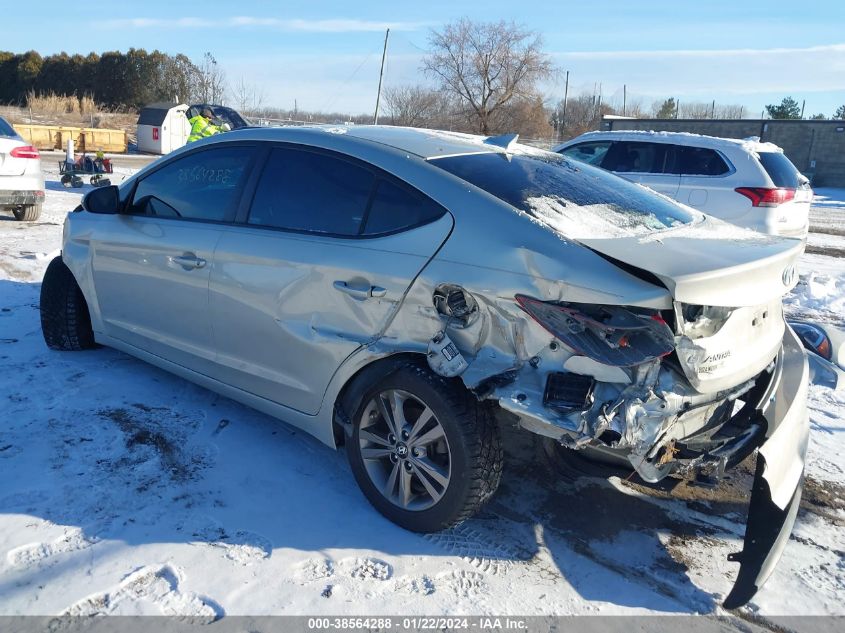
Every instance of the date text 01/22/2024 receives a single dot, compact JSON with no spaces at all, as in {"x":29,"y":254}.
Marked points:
{"x":484,"y":623}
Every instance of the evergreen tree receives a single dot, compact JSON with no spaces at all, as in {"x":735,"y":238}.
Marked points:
{"x":787,"y":109}
{"x":667,"y":109}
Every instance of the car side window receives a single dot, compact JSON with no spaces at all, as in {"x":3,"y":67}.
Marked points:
{"x":699,"y":161}
{"x":308,"y":191}
{"x":203,"y":185}
{"x":395,"y":208}
{"x":591,"y":153}
{"x":635,"y":157}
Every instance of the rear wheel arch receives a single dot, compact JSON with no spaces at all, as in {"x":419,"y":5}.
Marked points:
{"x":349,"y":397}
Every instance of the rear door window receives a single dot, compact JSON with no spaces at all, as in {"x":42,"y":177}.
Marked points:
{"x":203,"y":185}
{"x":591,"y":153}
{"x":395,"y":208}
{"x":635,"y":157}
{"x":698,"y":161}
{"x":780,"y":169}
{"x":311,"y":192}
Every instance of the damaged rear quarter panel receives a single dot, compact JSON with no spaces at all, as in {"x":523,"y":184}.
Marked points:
{"x":494,"y":254}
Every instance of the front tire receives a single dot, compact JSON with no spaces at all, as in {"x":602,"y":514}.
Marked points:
{"x":29,"y":213}
{"x":424,"y":451}
{"x":65,"y":321}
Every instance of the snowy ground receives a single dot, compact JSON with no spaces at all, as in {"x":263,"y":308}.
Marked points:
{"x":127,"y":490}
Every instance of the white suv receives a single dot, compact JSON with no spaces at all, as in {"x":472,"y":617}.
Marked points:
{"x":21,"y":178}
{"x":745,"y":182}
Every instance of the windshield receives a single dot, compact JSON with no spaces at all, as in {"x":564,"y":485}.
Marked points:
{"x":574,"y":199}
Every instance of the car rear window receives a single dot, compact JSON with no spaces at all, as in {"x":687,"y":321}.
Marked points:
{"x":6,"y":129}
{"x":574,"y":199}
{"x":780,"y":169}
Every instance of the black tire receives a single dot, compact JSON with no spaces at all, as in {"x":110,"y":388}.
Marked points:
{"x":473,"y":444}
{"x":65,"y":321}
{"x":29,"y":213}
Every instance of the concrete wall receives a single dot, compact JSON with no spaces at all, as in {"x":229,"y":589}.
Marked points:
{"x":817,"y":148}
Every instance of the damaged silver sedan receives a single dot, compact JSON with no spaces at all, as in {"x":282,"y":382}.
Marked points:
{"x":405,"y":292}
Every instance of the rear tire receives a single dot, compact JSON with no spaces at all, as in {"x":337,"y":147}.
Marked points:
{"x":465,"y":455}
{"x":29,"y":213}
{"x":571,"y":465}
{"x":65,"y":321}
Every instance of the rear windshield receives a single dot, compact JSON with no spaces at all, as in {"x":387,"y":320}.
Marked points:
{"x":6,"y":129}
{"x":575,"y":199}
{"x":780,"y":169}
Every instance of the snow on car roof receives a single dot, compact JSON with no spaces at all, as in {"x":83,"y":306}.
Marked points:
{"x":424,"y":143}
{"x":751,"y":144}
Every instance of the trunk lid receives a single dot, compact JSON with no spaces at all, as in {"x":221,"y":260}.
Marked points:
{"x":709,"y":262}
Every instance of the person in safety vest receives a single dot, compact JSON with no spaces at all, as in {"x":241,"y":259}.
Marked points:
{"x":201,"y":126}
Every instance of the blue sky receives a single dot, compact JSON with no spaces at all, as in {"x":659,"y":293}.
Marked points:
{"x":325,"y":55}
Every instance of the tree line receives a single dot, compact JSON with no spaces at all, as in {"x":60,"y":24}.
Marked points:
{"x":113,"y":79}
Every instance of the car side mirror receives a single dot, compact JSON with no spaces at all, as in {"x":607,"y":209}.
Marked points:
{"x":102,"y":200}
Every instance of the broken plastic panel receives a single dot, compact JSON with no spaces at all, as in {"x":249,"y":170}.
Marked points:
{"x":702,"y":321}
{"x":612,"y":335}
{"x":568,"y":392}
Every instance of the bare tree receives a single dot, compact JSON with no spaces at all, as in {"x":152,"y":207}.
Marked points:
{"x":247,"y":98}
{"x":704,"y":110}
{"x":486,"y":65}
{"x":583,"y":113}
{"x":210,"y":86}
{"x":415,"y":106}
{"x":527,"y":116}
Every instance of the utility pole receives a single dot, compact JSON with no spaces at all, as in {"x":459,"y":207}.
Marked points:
{"x":565,"y":95}
{"x":803,"y":103}
{"x":677,"y":108}
{"x":713,"y":110}
{"x":380,"y":75}
{"x":624,"y":98}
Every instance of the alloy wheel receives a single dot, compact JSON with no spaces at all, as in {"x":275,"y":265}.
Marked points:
{"x":405,"y":450}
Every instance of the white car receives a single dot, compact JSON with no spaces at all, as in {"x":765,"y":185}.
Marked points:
{"x":744,"y":182}
{"x":21,"y":179}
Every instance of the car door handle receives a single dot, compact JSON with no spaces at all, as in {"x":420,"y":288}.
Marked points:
{"x":360,"y":293}
{"x":188,"y":261}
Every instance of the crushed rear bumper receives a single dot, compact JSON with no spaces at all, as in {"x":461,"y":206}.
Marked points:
{"x":776,"y":493}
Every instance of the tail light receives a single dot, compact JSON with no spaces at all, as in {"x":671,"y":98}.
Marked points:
{"x":813,"y":338}
{"x":764,"y":197}
{"x":26,"y":151}
{"x":611,"y":335}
